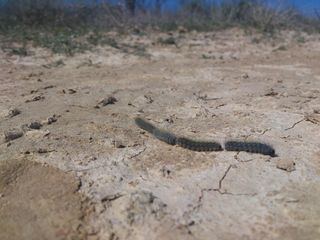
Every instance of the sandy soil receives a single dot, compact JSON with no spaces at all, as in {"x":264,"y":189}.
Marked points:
{"x":82,"y":170}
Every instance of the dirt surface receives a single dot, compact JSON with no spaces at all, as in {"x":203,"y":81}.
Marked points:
{"x":68,"y":134}
{"x":39,"y":202}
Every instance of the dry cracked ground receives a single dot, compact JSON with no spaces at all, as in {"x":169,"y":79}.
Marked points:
{"x":73,"y":165}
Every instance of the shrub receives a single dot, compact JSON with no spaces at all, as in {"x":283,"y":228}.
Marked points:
{"x":58,"y":26}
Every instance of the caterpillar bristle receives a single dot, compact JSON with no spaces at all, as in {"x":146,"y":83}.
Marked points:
{"x":198,"y":146}
{"x":252,"y":147}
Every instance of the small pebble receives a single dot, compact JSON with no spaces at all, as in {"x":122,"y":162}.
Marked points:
{"x":34,"y":91}
{"x":92,"y":158}
{"x":107,"y":101}
{"x":245,"y":76}
{"x":35,"y":125}
{"x":271,"y":93}
{"x":42,"y":150}
{"x":166,"y":171}
{"x":118,"y":144}
{"x":52,"y":119}
{"x":36,"y":98}
{"x":71,"y":91}
{"x":287,"y":165}
{"x":316,"y":110}
{"x":13,"y":112}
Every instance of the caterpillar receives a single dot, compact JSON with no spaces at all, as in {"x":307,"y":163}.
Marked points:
{"x":204,"y":146}
{"x":198,"y":146}
{"x":171,"y":139}
{"x":158,"y":133}
{"x":252,"y":147}
{"x":165,"y":136}
{"x":143,"y":124}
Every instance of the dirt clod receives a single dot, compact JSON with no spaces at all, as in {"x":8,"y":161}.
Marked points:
{"x":71,"y":91}
{"x":12,"y":134}
{"x":13,"y":112}
{"x":35,"y":99}
{"x":52,"y":119}
{"x":107,"y":101}
{"x":286,"y":164}
{"x":35,"y":125}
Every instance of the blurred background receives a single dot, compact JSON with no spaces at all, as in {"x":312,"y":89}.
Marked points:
{"x":55,"y":24}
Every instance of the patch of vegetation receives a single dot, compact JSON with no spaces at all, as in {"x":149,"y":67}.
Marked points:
{"x":205,"y":56}
{"x":301,"y":39}
{"x":100,"y":39}
{"x":20,"y":51}
{"x":282,"y":48}
{"x":69,"y":29}
{"x":167,"y":41}
{"x":55,"y":64}
{"x":59,"y":40}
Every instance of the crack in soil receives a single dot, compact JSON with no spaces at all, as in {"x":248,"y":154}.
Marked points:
{"x":296,"y":123}
{"x":105,"y":165}
{"x":139,"y":153}
{"x":200,"y":199}
{"x":219,"y":189}
{"x":113,"y":197}
{"x":266,"y":130}
{"x":236,"y":157}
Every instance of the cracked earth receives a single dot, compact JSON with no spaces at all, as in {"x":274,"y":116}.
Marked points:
{"x":73,"y":165}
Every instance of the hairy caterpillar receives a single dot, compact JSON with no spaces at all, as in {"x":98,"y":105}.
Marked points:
{"x":198,"y":145}
{"x":158,"y":133}
{"x":171,"y":139}
{"x":252,"y":147}
{"x":165,"y":136}
{"x":204,"y":146}
{"x":143,"y":124}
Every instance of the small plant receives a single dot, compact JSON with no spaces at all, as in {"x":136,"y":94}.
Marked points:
{"x":301,"y":39}
{"x":281,"y":48}
{"x":167,"y":41}
{"x":256,"y":40}
{"x":55,"y":64}
{"x":110,"y":42}
{"x":204,"y":56}
{"x":20,"y":51}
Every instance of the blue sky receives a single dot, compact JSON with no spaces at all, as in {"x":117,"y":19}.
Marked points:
{"x":306,"y":6}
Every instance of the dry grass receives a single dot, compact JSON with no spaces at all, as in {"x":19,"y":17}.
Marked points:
{"x":54,"y":25}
